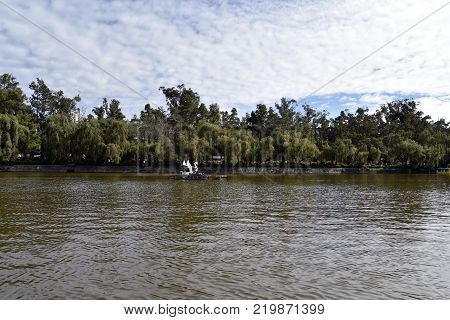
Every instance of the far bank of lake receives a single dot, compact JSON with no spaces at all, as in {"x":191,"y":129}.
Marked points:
{"x":209,"y":170}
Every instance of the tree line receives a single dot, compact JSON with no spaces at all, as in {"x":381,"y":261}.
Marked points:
{"x":46,"y":127}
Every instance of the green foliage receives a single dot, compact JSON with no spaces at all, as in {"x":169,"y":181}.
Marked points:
{"x":113,"y":154}
{"x":9,"y":137}
{"x":56,"y":137}
{"x":45,"y":102}
{"x":113,"y":111}
{"x":109,"y":110}
{"x":374,"y":155}
{"x":411,"y":153}
{"x":344,"y":151}
{"x":286,"y":109}
{"x":183,"y":104}
{"x":87,"y":142}
{"x":397,"y":134}
{"x":214,"y":114}
{"x":231,"y":120}
{"x":267,"y":149}
{"x":361,"y":158}
{"x":12,"y":99}
{"x":115,"y":136}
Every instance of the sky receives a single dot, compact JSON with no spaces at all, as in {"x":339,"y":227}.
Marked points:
{"x":233,"y":52}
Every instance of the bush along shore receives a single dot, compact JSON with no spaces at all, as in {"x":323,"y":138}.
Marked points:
{"x":47,"y":129}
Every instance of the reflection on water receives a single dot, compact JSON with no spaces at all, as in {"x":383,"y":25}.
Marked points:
{"x":90,"y":236}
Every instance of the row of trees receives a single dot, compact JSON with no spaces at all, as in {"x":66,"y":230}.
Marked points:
{"x":46,"y":127}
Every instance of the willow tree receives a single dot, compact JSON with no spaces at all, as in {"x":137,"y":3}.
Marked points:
{"x":56,"y":137}
{"x":87,"y":143}
{"x":344,"y":151}
{"x":208,"y":134}
{"x":115,"y":136}
{"x":282,"y":145}
{"x":302,"y":149}
{"x":163,"y":151}
{"x":9,"y":137}
{"x":411,"y":153}
{"x":22,"y":136}
{"x":249,"y":146}
{"x":266,"y":150}
{"x":230,"y":148}
{"x":374,"y":155}
{"x":113,"y":154}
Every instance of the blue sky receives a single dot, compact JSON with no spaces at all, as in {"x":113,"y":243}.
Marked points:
{"x":236,"y":53}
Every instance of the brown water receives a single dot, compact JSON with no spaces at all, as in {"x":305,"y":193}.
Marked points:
{"x":92,"y":236}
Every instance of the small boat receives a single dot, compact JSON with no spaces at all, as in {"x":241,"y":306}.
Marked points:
{"x":189,"y":172}
{"x":191,"y":176}
{"x":443,"y":170}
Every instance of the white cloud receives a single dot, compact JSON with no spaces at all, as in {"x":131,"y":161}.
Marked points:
{"x":347,"y":99}
{"x":374,"y":98}
{"x":232,"y":52}
{"x":436,"y":108}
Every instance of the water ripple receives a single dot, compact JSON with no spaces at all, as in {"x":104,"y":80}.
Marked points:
{"x":92,"y":236}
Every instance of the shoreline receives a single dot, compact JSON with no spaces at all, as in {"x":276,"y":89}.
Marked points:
{"x":206,"y":170}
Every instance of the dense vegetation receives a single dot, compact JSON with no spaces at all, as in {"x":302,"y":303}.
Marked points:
{"x":45,"y":128}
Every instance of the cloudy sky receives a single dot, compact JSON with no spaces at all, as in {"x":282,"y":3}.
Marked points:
{"x":234,"y":52}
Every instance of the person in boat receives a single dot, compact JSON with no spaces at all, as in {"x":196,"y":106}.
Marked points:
{"x":195,"y":168}
{"x":186,"y":168}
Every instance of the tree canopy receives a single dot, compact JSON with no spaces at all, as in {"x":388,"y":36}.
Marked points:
{"x":46,"y":124}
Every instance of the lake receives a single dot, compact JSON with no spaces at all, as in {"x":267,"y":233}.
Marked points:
{"x":118,"y":236}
